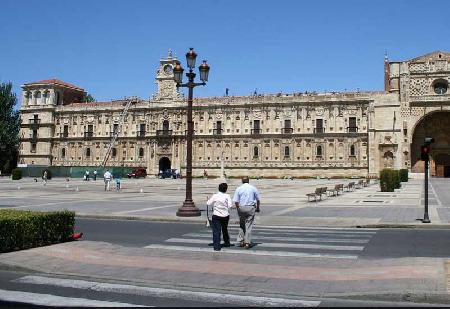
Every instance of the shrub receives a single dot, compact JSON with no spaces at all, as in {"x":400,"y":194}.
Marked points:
{"x":16,"y":174}
{"x":49,"y":174}
{"x":28,"y":229}
{"x":403,"y":175}
{"x":389,"y":180}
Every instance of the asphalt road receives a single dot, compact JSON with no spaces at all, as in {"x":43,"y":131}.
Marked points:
{"x":386,"y":243}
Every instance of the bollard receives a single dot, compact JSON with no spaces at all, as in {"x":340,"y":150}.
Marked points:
{"x":67,"y":185}
{"x":142,"y":190}
{"x":18,"y":188}
{"x":77,"y":189}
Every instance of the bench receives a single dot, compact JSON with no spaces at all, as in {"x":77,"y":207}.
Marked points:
{"x":350,"y":186}
{"x":335,"y":191}
{"x":317,"y":194}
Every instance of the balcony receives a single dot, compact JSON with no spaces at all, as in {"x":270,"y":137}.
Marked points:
{"x":140,"y":134}
{"x":34,"y":122}
{"x":287,"y":130}
{"x":352,"y":129}
{"x":163,"y":132}
{"x":88,"y":135}
{"x":319,"y":130}
{"x":256,"y":131}
{"x":217,"y":131}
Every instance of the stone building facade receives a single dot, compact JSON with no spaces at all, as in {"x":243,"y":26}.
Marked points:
{"x":298,"y":135}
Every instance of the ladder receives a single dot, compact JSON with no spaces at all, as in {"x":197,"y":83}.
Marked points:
{"x":116,"y":132}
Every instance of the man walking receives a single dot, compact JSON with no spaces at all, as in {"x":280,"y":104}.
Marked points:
{"x":95,"y":175}
{"x":246,"y":199}
{"x":107,"y":178}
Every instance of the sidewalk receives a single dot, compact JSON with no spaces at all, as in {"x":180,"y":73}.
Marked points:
{"x":284,"y":202}
{"x":404,"y":279}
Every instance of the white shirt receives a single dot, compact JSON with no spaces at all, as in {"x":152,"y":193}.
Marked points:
{"x":107,"y":176}
{"x":221,"y":203}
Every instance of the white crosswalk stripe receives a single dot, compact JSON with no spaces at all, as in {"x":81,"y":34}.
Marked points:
{"x":56,"y":301}
{"x":209,"y":297}
{"x":340,"y":243}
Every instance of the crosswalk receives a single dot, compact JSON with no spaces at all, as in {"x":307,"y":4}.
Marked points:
{"x":336,"y":243}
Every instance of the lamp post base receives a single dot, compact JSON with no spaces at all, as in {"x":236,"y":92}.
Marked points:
{"x":188,"y":210}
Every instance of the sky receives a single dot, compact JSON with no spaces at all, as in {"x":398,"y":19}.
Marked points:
{"x":112,"y":48}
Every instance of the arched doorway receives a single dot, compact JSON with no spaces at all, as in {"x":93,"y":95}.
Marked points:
{"x":164,"y":164}
{"x":435,"y":125}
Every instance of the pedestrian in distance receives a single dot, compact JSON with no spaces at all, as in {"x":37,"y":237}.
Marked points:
{"x":95,"y":175}
{"x":87,"y":175}
{"x":247,"y":201}
{"x":107,"y":178}
{"x":44,"y":178}
{"x":118,"y":183}
{"x":221,"y":202}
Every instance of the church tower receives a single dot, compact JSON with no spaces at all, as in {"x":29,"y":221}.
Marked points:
{"x":166,"y":86}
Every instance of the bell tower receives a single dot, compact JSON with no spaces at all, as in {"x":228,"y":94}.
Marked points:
{"x":166,"y":86}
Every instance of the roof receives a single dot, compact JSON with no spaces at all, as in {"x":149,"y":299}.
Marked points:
{"x":57,"y":82}
{"x":436,"y":55}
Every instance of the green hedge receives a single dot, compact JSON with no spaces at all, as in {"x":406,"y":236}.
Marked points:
{"x":389,"y":180}
{"x":27,"y":229}
{"x":403,"y":175}
{"x":16,"y":174}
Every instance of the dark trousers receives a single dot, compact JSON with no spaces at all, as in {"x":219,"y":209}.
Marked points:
{"x":220,"y":224}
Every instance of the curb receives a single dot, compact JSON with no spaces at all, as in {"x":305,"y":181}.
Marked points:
{"x":405,"y":226}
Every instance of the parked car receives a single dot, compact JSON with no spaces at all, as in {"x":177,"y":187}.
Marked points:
{"x":137,"y":173}
{"x":169,"y":173}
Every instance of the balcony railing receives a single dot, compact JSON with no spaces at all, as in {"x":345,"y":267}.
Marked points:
{"x":319,"y":130}
{"x":217,"y":131}
{"x":287,"y":130}
{"x":352,"y":129}
{"x":64,"y":134}
{"x":111,"y":133}
{"x":34,"y":121}
{"x":140,"y":134}
{"x":163,"y":132}
{"x":33,"y":137}
{"x":256,"y":131}
{"x":88,"y":135}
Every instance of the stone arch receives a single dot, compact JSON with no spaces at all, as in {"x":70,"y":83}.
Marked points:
{"x":37,"y":97}
{"x":435,"y":124}
{"x":164,"y":164}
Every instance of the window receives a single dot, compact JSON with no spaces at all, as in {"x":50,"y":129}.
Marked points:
{"x":33,"y":147}
{"x":35,"y":134}
{"x":166,"y":125}
{"x":287,"y":151}
{"x":440,"y":86}
{"x":66,"y":131}
{"x":88,"y":152}
{"x":63,"y":153}
{"x":255,"y":152}
{"x":352,"y":124}
{"x":141,"y":152}
{"x":142,"y":127}
{"x":287,"y":123}
{"x":319,"y":126}
{"x":114,"y":152}
{"x":115,"y":127}
{"x":319,"y":151}
{"x":256,"y":125}
{"x":218,"y":129}
{"x":58,"y":98}
{"x":352,"y":151}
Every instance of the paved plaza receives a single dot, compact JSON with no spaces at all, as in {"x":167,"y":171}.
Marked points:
{"x":284,"y":202}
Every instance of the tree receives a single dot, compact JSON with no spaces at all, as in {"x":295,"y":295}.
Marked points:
{"x":89,"y":98}
{"x":9,"y":128}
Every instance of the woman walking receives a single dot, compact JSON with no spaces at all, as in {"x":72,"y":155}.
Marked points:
{"x":221,"y":203}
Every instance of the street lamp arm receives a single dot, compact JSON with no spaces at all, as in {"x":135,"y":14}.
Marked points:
{"x":187,"y":85}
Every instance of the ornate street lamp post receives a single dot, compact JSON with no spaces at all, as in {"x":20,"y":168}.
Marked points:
{"x":188,"y":209}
